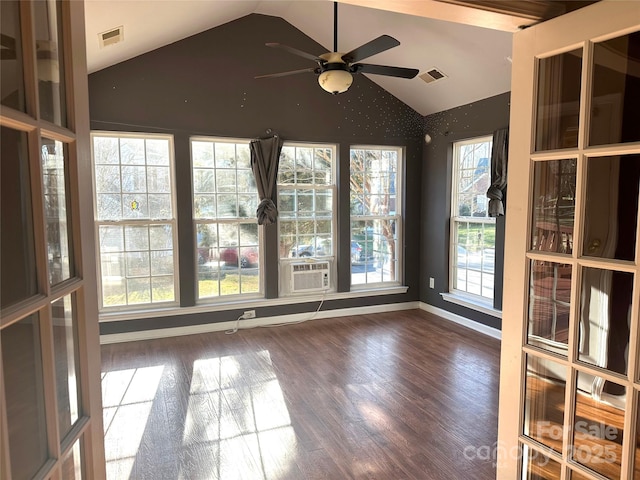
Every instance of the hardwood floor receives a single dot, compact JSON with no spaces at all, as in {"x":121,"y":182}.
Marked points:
{"x":400,"y":395}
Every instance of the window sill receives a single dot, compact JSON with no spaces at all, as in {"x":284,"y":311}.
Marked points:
{"x":244,"y":303}
{"x":472,"y":303}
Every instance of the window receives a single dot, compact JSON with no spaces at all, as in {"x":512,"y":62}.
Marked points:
{"x":225,"y":200}
{"x":375,"y":214}
{"x":306,"y":189}
{"x":473,"y":232}
{"x":135,"y":220}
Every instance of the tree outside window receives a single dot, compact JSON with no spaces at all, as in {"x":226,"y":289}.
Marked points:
{"x":473,"y":232}
{"x":306,"y":189}
{"x":135,"y":218}
{"x":375,"y":214}
{"x":225,"y":200}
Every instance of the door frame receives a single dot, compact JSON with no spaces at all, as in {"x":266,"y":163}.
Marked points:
{"x":82,"y":283}
{"x":600,"y":21}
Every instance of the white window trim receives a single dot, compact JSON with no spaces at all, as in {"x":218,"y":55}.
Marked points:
{"x":284,"y":262}
{"x":470,"y":302}
{"x":222,"y":299}
{"x":355,"y":287}
{"x":238,"y":303}
{"x":399,"y":218}
{"x":173,"y":222}
{"x":461,"y":297}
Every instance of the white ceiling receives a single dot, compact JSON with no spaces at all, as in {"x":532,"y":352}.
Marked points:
{"x":476,"y":60}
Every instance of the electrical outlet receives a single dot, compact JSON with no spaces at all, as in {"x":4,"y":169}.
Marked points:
{"x":249,"y":314}
{"x":432,"y":282}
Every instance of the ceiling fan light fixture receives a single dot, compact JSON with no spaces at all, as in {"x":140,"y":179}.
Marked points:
{"x":335,"y":81}
{"x":335,"y":69}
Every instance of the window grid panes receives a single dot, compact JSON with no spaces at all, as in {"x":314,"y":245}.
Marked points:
{"x":473,"y":232}
{"x":44,"y":342}
{"x":610,"y":122}
{"x":559,"y":79}
{"x":56,"y":212}
{"x":17,"y":245}
{"x":549,"y":305}
{"x":539,"y":466}
{"x":66,"y":363}
{"x":24,"y":396}
{"x":613,"y":183}
{"x":225,"y":200}
{"x":375,"y":214}
{"x":545,"y":387}
{"x":49,"y":58}
{"x":12,"y":91}
{"x":306,"y":192}
{"x":598,"y":431}
{"x":135,"y":219}
{"x":72,"y":465}
{"x":581,"y":347}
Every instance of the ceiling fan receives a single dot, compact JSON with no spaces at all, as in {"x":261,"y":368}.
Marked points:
{"x":335,"y":69}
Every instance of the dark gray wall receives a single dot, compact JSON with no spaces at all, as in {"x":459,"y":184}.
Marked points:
{"x":468,"y":121}
{"x":204,"y":85}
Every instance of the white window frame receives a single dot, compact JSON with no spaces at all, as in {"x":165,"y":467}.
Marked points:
{"x":397,"y":216}
{"x":456,"y":295}
{"x":250,"y":219}
{"x":285,"y":261}
{"x":172,"y":221}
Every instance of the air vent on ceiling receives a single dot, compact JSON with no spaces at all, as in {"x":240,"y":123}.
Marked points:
{"x":433,"y":75}
{"x":111,"y":37}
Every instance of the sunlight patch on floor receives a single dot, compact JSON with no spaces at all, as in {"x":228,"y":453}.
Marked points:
{"x":127,"y":398}
{"x":237,"y":420}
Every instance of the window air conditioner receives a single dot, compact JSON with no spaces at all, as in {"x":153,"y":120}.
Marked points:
{"x":310,"y":277}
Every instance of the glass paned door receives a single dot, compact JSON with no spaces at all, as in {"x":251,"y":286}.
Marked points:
{"x":50,"y":408}
{"x":572,"y":279}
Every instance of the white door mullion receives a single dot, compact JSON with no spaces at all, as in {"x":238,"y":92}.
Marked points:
{"x":512,"y":365}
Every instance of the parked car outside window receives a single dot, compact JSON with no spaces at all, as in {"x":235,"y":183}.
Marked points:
{"x":305,"y":251}
{"x":248,"y":257}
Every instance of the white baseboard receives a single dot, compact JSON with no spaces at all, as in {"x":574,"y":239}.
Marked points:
{"x":465,"y":322}
{"x":254,"y":322}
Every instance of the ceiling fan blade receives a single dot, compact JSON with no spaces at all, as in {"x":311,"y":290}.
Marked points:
{"x":284,"y":74}
{"x":6,"y":54}
{"x":377,"y":45}
{"x":295,"y":51}
{"x":385,"y":70}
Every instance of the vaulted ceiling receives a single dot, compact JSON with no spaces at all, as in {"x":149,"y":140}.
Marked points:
{"x":468,"y":41}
